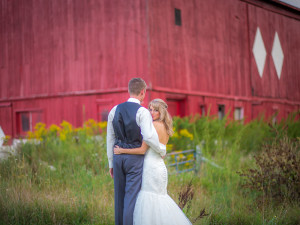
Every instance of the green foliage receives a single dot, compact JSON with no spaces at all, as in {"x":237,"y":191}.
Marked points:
{"x":60,"y":176}
{"x":214,"y":135}
{"x":277,"y":171}
{"x":231,"y":145}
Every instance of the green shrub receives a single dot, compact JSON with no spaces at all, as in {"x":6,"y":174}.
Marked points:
{"x":277,"y":172}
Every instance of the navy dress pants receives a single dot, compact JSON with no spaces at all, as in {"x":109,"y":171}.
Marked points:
{"x":128,"y":170}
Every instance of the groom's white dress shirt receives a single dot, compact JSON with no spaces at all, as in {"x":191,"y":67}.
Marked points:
{"x":144,"y":121}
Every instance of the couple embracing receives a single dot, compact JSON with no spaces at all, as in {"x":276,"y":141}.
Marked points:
{"x":136,"y":145}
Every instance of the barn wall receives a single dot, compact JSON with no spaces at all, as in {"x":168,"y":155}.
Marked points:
{"x":6,"y":118}
{"x":269,"y":85}
{"x":72,"y":60}
{"x":54,"y":47}
{"x":212,"y":50}
{"x":208,"y":53}
{"x":209,"y":59}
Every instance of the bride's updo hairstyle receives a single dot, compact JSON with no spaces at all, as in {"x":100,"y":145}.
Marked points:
{"x":165,"y":117}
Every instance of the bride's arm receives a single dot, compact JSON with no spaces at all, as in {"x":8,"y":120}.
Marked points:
{"x":133,"y":151}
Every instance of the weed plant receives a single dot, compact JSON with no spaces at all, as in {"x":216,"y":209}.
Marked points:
{"x":277,"y":171}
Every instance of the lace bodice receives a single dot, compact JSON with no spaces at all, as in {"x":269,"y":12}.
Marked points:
{"x":155,"y":175}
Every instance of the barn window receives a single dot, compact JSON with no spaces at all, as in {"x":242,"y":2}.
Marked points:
{"x":103,"y":106}
{"x":221,"y":111}
{"x":27,"y":120}
{"x":274,"y":117}
{"x":178,"y":17}
{"x":238,"y":113}
{"x":202,"y":108}
{"x":104,"y":115}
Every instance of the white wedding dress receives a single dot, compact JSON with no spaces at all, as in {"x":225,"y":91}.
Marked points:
{"x":154,"y":206}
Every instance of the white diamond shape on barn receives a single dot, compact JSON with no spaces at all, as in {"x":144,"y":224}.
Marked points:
{"x":259,"y":52}
{"x":277,"y":55}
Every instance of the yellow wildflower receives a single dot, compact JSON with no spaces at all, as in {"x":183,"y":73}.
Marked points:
{"x":175,"y":135}
{"x":169,"y":147}
{"x":181,"y":156}
{"x":62,"y":136}
{"x":30,"y":135}
{"x":40,"y":131}
{"x":90,"y":123}
{"x":78,"y":129}
{"x":103,"y":124}
{"x":186,"y":133}
{"x":66,"y":126}
{"x":54,"y":129}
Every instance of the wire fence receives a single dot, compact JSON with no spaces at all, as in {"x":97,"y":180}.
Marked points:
{"x":175,"y":160}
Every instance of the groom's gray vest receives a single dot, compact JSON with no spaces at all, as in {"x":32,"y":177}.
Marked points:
{"x":128,"y":133}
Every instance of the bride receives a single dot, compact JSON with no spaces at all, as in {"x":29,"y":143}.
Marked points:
{"x":154,"y":206}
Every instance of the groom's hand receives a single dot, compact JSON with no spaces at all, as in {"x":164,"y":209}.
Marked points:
{"x":111,"y":172}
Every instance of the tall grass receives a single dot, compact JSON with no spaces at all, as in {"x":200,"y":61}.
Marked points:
{"x":57,"y":181}
{"x":232,"y":145}
{"x":61,"y":175}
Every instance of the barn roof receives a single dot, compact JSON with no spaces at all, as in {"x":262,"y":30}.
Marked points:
{"x":293,"y":3}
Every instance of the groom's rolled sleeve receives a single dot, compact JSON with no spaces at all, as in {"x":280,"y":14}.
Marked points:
{"x":110,"y":138}
{"x":144,"y":120}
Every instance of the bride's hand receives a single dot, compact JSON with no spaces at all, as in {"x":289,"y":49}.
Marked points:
{"x":117,"y":150}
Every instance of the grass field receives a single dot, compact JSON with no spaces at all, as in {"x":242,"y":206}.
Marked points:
{"x":63,"y":179}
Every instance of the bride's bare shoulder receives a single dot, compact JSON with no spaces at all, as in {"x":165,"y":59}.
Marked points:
{"x":161,"y":131}
{"x":158,"y":125}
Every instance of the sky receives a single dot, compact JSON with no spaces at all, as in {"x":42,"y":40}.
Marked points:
{"x":295,"y":3}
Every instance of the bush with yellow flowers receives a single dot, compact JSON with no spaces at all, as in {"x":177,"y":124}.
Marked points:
{"x":39,"y":133}
{"x":182,"y":139}
{"x":66,"y":132}
{"x":66,"y":147}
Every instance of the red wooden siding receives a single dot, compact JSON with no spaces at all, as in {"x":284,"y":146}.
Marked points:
{"x":59,"y":46}
{"x":210,"y":55}
{"x":6,"y":118}
{"x":201,"y":54}
{"x":74,"y":109}
{"x":72,"y":60}
{"x":288,"y":29}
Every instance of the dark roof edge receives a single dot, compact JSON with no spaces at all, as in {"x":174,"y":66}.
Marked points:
{"x":277,"y":7}
{"x":286,"y":5}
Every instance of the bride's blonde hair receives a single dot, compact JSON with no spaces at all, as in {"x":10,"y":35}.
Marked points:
{"x":165,"y":117}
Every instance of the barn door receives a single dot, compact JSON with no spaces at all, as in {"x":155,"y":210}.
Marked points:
{"x":176,"y":107}
{"x":103,"y":108}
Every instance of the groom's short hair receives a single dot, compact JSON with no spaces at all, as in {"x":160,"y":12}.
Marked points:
{"x":136,"y":85}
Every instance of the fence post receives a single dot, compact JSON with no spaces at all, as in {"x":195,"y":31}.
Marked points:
{"x":198,"y":159}
{"x":176,"y":163}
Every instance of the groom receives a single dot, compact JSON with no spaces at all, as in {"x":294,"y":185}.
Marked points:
{"x":128,"y":125}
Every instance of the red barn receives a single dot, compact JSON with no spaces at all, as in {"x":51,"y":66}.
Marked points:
{"x":72,"y":60}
